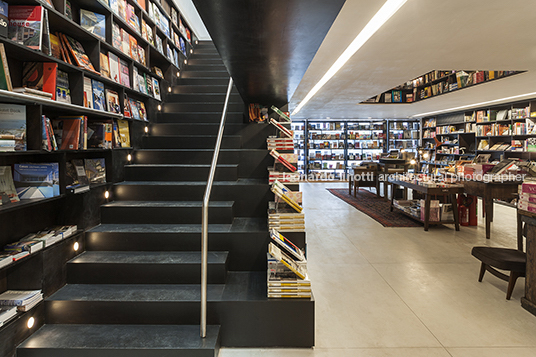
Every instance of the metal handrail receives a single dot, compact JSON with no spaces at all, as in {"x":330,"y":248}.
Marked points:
{"x":204,"y":221}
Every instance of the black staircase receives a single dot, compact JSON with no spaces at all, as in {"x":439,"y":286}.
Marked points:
{"x":135,"y":291}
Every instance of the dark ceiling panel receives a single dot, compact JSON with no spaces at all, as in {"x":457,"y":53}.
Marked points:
{"x":267,"y":45}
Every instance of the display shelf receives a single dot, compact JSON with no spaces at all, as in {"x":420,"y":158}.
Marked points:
{"x":6,"y":207}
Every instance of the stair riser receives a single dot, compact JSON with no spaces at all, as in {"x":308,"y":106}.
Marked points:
{"x":209,"y":54}
{"x":203,"y":98}
{"x":250,"y":201}
{"x":238,"y":328}
{"x":202,"y":74}
{"x":192,"y":117}
{"x":161,"y":142}
{"x":206,"y":50}
{"x":204,"y":81}
{"x":99,"y":273}
{"x":113,"y":352}
{"x":239,"y":244}
{"x":170,"y":107}
{"x":183,"y":88}
{"x":206,"y":67}
{"x":196,"y":129}
{"x":203,"y":61}
{"x":163,"y":215}
{"x":163,"y":173}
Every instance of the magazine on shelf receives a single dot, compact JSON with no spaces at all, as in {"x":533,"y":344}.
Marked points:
{"x":7,"y":313}
{"x":95,"y":170}
{"x":94,"y":23}
{"x":99,"y":100}
{"x":72,"y":183}
{"x":124,"y":133}
{"x":19,"y":297}
{"x":40,"y":76}
{"x":287,"y":245}
{"x":88,"y":93}
{"x":63,"y":93}
{"x":282,"y":257}
{"x":114,"y":67}
{"x":26,"y":26}
{"x":112,"y":101}
{"x":12,"y":127}
{"x":6,"y":184}
{"x":36,"y":180}
{"x":79,"y":55}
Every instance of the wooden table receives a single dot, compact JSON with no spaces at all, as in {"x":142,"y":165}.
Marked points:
{"x":529,"y":300}
{"x":368,"y":178}
{"x":488,"y":191}
{"x":428,"y":193}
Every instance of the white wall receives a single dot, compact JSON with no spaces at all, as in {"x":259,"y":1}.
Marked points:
{"x":189,"y":12}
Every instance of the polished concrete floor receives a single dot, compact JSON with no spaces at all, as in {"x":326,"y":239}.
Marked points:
{"x":398,"y":292}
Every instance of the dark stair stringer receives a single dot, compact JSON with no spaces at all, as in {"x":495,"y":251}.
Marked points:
{"x":135,"y":291}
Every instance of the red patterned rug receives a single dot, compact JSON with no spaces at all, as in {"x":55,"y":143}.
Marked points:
{"x":374,"y":207}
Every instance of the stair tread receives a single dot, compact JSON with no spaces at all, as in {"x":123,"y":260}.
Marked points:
{"x":183,"y":165}
{"x":240,"y":224}
{"x":135,"y":257}
{"x":240,"y":286}
{"x":122,"y":337}
{"x":228,"y":204}
{"x":194,"y":136}
{"x":239,"y":182}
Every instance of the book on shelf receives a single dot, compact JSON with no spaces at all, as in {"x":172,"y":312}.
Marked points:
{"x":4,"y":18}
{"x":7,"y":312}
{"x":159,"y":45}
{"x":124,"y":133}
{"x":80,"y":171}
{"x":88,"y":93}
{"x":94,"y":23}
{"x":116,"y":37}
{"x":105,"y":65}
{"x":134,"y":109}
{"x":132,"y":18}
{"x":36,"y":180}
{"x":5,"y":77}
{"x":158,"y":72}
{"x":156,"y":88}
{"x":41,"y":76}
{"x":65,"y":56}
{"x":77,"y":51}
{"x":99,"y":100}
{"x":26,"y":25}
{"x":46,"y":142}
{"x":112,"y":101}
{"x":150,"y":34}
{"x":95,"y":170}
{"x":133,"y":48}
{"x":63,"y":93}
{"x":68,"y":10}
{"x":142,"y":4}
{"x":124,"y":73}
{"x":28,"y":245}
{"x":100,"y":134}
{"x":7,"y":185}
{"x":114,"y":5}
{"x":142,"y":111}
{"x":114,"y":67}
{"x":135,"y":78}
{"x":122,"y":9}
{"x":12,"y":127}
{"x":141,"y":56}
{"x":125,"y":42}
{"x":126,"y":107}
{"x":282,"y":257}
{"x":19,"y":297}
{"x":287,"y":245}
{"x":117,"y":140}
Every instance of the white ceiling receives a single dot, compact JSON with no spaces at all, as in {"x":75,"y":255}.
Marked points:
{"x":423,"y":35}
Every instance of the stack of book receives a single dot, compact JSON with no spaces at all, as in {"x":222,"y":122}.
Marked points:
{"x":287,"y":269}
{"x":34,"y":242}
{"x":7,"y":313}
{"x":527,"y":196}
{"x":275,"y":143}
{"x":24,"y":300}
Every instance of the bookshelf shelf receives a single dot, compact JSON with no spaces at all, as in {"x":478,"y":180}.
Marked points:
{"x":6,"y":207}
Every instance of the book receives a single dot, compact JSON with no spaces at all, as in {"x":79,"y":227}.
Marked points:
{"x":6,"y":184}
{"x":63,"y":93}
{"x":94,"y":23}
{"x":99,"y":100}
{"x":104,"y":65}
{"x":77,"y":51}
{"x":114,"y":5}
{"x":143,"y":112}
{"x":88,"y":93}
{"x":150,"y":35}
{"x":68,"y":10}
{"x":65,"y":54}
{"x":95,"y":170}
{"x":116,"y":36}
{"x":5,"y":77}
{"x":80,"y":169}
{"x":46,"y":142}
{"x":4,"y":19}
{"x":19,"y":297}
{"x":124,"y":134}
{"x":287,"y":245}
{"x":149,"y":84}
{"x":13,"y":127}
{"x":36,"y":180}
{"x":114,"y":67}
{"x":126,"y":106}
{"x":133,"y":48}
{"x":122,"y":9}
{"x":48,"y":133}
{"x":124,"y":73}
{"x":283,"y":257}
{"x":100,"y":135}
{"x":7,"y":313}
{"x":112,"y":101}
{"x":158,"y":72}
{"x":69,"y":129}
{"x":55,"y":46}
{"x":41,"y":76}
{"x":134,"y":109}
{"x":159,"y":45}
{"x":132,"y":18}
{"x":26,"y":25}
{"x":156,"y":89}
{"x":141,"y":56}
{"x":125,"y":42}
{"x":28,"y":245}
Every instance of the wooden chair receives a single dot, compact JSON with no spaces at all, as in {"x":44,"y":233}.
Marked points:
{"x":512,"y":260}
{"x":368,"y":177}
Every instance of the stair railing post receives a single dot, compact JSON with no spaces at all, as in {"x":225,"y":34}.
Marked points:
{"x":204,"y":221}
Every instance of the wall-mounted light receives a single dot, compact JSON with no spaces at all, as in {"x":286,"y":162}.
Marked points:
{"x":31,"y":322}
{"x":196,"y":42}
{"x":107,"y":194}
{"x":159,"y":107}
{"x":185,"y":61}
{"x":129,"y":157}
{"x":412,"y":162}
{"x":191,"y":50}
{"x":178,"y":74}
{"x":76,"y":246}
{"x":146,"y":129}
{"x":169,"y":89}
